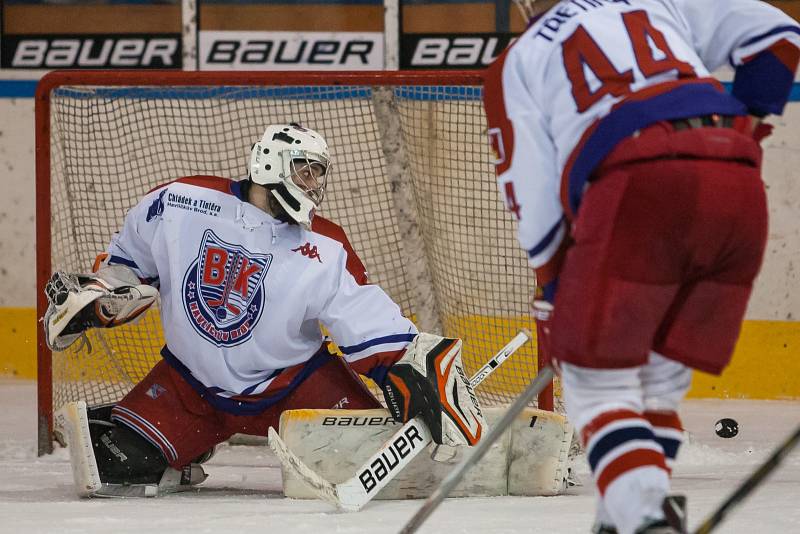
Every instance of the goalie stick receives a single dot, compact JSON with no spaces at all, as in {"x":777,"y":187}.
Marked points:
{"x":542,"y":312}
{"x":541,"y":381}
{"x":751,"y":483}
{"x":352,"y":494}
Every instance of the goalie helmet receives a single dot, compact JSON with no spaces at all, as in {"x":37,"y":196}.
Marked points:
{"x":293,"y":163}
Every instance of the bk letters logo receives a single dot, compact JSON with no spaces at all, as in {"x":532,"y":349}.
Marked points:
{"x":223,"y":291}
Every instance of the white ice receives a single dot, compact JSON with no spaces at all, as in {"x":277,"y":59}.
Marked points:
{"x":243,"y":492}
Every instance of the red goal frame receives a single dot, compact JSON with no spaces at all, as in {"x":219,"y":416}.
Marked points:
{"x":56,"y":79}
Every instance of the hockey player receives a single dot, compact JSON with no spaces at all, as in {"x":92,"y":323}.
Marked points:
{"x":636,"y":181}
{"x":246,"y":274}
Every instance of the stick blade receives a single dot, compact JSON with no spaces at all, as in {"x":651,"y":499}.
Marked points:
{"x":322,"y":488}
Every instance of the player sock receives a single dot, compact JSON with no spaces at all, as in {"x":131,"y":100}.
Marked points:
{"x":668,"y":430}
{"x":628,"y":466}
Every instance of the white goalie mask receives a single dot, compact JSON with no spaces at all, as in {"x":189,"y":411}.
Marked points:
{"x":293,"y":163}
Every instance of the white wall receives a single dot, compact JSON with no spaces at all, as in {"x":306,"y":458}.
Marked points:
{"x":17,"y":199}
{"x":776,"y":296}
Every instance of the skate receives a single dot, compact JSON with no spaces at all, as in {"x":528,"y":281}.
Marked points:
{"x":674,"y":522}
{"x":172,"y":481}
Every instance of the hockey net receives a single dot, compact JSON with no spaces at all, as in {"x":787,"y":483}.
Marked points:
{"x":412,"y":185}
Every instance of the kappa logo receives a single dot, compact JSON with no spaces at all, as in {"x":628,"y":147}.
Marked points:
{"x":309,"y":251}
{"x":223,"y":291}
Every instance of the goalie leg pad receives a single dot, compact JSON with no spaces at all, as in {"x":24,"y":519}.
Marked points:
{"x":538,"y":460}
{"x":124,"y":457}
{"x":114,"y":461}
{"x":527,"y":460}
{"x":73,"y":424}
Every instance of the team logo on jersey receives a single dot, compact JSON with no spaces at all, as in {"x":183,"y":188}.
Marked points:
{"x":223,"y":291}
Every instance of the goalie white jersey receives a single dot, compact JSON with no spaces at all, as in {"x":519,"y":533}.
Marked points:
{"x":243,"y":294}
{"x":589,"y":73}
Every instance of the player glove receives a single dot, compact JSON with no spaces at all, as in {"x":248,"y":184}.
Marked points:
{"x":429,"y":381}
{"x":108,"y":298}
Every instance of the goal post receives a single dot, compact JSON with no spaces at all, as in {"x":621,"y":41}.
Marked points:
{"x":412,"y":185}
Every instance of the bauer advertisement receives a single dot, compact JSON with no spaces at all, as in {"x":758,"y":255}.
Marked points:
{"x":226,"y":50}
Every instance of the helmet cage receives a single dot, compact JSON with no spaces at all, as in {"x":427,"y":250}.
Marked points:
{"x":293,"y":163}
{"x":309,"y":172}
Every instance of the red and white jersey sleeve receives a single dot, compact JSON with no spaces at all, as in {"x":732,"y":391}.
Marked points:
{"x":243,"y":294}
{"x":726,"y":33}
{"x":588,"y":73}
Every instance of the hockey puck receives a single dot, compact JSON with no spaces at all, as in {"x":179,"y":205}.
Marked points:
{"x":726,"y":428}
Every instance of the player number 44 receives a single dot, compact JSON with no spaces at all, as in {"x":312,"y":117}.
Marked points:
{"x":580,"y":52}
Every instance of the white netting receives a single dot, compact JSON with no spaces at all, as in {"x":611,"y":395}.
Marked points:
{"x":413,"y":187}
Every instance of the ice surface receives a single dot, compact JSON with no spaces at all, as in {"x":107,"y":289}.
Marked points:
{"x":243,"y":492}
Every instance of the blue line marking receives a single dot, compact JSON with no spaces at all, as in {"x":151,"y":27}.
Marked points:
{"x":17,"y":88}
{"x":27,"y":89}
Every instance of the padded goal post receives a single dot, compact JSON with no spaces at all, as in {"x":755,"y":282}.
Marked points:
{"x":412,"y":185}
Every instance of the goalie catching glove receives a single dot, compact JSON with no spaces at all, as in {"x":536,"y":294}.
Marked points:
{"x":429,"y":382}
{"x":110,"y":297}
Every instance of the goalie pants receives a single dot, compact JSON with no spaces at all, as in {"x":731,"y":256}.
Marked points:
{"x":169,"y":413}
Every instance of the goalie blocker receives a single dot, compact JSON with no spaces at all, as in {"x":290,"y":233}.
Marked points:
{"x":429,"y":382}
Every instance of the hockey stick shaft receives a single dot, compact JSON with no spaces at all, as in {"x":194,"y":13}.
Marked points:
{"x":522,"y":337}
{"x":750,"y":484}
{"x":541,"y":381}
{"x":355,"y":492}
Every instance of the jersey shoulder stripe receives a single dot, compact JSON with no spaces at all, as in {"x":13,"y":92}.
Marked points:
{"x":770,"y":33}
{"x":370,"y":343}
{"x":321,"y":225}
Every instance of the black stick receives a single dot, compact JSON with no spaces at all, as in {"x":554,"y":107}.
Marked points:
{"x":542,"y":380}
{"x":752,"y":482}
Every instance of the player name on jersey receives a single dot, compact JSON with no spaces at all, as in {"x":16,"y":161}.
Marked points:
{"x":557,"y":17}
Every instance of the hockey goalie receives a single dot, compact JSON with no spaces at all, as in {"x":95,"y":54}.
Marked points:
{"x":245,"y":273}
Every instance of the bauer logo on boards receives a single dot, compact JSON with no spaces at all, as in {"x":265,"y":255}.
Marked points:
{"x":230,"y":50}
{"x":454,"y":51}
{"x":92,"y":51}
